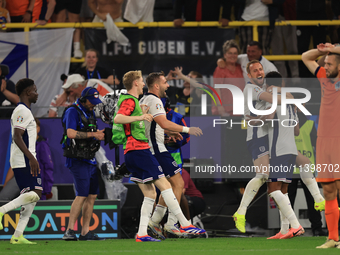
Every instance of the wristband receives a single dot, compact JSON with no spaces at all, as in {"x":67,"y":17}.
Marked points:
{"x":28,"y":11}
{"x":185,"y":130}
{"x":46,"y":20}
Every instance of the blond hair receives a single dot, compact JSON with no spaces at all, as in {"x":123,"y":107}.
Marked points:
{"x":230,"y":44}
{"x":130,"y":77}
{"x":93,"y":50}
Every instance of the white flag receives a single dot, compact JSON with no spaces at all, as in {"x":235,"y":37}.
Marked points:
{"x":42,"y":56}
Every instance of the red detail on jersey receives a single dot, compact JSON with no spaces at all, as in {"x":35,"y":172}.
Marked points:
{"x":126,"y":108}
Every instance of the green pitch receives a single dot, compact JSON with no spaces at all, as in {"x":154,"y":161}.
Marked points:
{"x":210,"y":246}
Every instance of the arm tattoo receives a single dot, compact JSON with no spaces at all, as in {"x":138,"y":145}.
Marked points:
{"x":81,"y":135}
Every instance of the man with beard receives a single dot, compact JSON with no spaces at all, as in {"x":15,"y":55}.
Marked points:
{"x":23,"y":159}
{"x":157,"y":85}
{"x":257,"y":138}
{"x":145,"y":169}
{"x":328,"y":141}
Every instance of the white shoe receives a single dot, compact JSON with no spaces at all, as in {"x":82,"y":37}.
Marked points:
{"x":156,"y":229}
{"x":330,"y":243}
{"x":173,"y":231}
{"x":77,"y":53}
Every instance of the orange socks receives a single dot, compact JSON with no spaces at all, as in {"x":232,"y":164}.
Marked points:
{"x":332,"y":219}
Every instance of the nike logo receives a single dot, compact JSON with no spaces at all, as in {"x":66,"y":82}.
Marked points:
{"x":295,"y":233}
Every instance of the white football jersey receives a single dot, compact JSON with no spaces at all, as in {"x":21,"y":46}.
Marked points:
{"x":153,"y":131}
{"x":281,"y":132}
{"x":254,"y":132}
{"x":22,"y":118}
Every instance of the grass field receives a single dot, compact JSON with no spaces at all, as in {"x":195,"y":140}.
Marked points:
{"x":210,"y":246}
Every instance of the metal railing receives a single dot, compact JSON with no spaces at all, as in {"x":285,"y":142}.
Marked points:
{"x":141,"y":25}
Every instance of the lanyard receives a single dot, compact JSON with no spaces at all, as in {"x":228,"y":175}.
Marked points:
{"x":82,"y":110}
{"x":90,"y":76}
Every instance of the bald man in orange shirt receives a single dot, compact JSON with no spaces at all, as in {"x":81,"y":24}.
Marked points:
{"x":328,"y":141}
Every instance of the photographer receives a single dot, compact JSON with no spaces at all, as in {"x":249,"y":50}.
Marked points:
{"x":8,"y":96}
{"x":81,"y":140}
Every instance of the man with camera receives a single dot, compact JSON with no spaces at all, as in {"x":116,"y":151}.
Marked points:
{"x":81,"y":141}
{"x":8,"y":96}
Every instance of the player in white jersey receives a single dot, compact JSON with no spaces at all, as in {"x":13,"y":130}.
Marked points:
{"x":283,"y":152}
{"x":23,"y":159}
{"x":257,"y":139}
{"x":154,"y":131}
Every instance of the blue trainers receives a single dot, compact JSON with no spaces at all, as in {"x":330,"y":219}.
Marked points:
{"x":146,"y":238}
{"x":90,"y":237}
{"x":192,"y":230}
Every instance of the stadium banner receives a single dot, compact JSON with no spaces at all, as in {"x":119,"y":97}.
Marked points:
{"x":41,"y":55}
{"x":154,"y":50}
{"x":49,"y":220}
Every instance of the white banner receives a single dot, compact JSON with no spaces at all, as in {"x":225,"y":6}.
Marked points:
{"x":42,"y":56}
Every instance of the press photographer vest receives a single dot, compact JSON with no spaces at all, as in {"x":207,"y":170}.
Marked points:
{"x":81,"y":148}
{"x":137,"y":127}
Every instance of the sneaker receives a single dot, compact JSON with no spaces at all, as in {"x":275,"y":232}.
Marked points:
{"x":90,"y":237}
{"x":240,"y":222}
{"x":172,"y":231}
{"x":1,"y":226}
{"x":330,"y":243}
{"x":146,"y":238}
{"x":277,"y":236}
{"x":192,"y":230}
{"x":293,"y":232}
{"x":156,"y":229}
{"x":20,"y":240}
{"x":70,"y":235}
{"x":77,"y":54}
{"x":320,"y":206}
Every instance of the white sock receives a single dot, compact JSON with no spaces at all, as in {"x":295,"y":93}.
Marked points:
{"x":145,"y":215}
{"x":21,"y":200}
{"x":25,"y":214}
{"x":159,"y":213}
{"x":308,"y":179}
{"x":251,"y":191}
{"x":172,"y":219}
{"x":284,"y":221}
{"x":284,"y":206}
{"x":76,"y":46}
{"x":172,"y":203}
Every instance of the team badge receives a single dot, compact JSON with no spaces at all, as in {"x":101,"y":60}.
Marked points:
{"x":39,"y":181}
{"x":174,"y":163}
{"x":337,"y":86}
{"x":256,"y":89}
{"x":262,"y":148}
{"x":158,"y":106}
{"x":20,"y":119}
{"x":160,"y":169}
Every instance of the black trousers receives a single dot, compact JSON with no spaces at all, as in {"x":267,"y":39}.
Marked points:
{"x":313,"y":215}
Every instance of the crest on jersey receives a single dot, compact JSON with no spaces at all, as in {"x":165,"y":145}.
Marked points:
{"x":160,"y":169}
{"x":262,"y":148}
{"x":337,"y":86}
{"x":159,"y":106}
{"x":39,"y":181}
{"x":256,"y":89}
{"x":20,"y":119}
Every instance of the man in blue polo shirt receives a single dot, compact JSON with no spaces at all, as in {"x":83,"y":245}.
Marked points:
{"x":81,"y":141}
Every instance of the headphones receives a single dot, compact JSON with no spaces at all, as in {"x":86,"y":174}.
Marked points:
{"x":82,"y":99}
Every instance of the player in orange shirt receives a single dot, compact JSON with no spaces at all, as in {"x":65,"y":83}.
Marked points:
{"x":328,"y":141}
